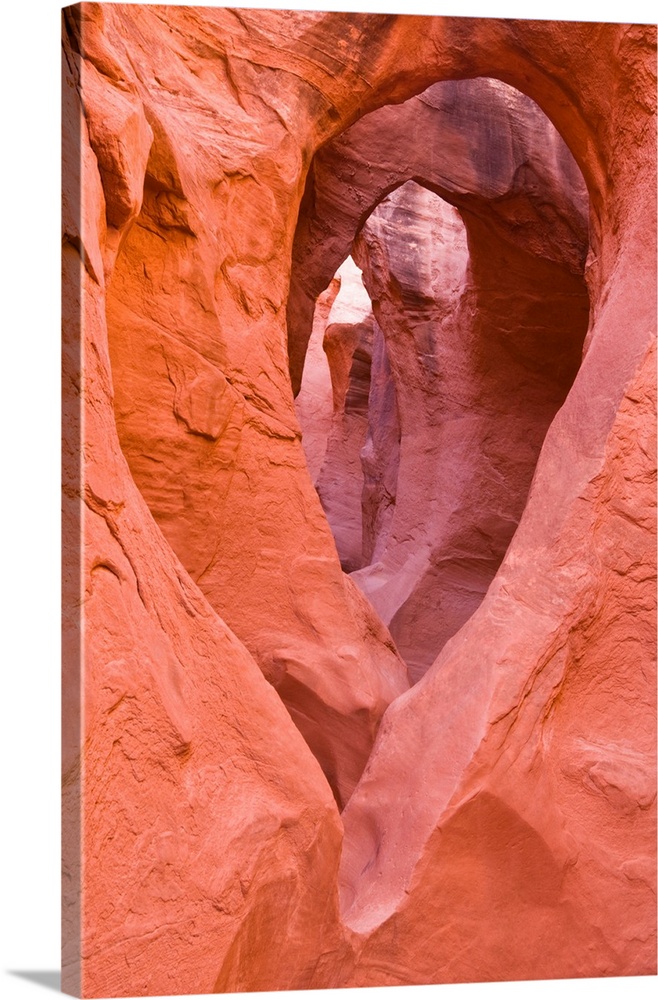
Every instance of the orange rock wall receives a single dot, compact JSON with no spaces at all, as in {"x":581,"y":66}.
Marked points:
{"x":514,"y":786}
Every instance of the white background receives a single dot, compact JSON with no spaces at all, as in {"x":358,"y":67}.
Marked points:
{"x":29,"y":397}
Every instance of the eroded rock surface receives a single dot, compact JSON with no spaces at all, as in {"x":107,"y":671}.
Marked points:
{"x":347,"y":343}
{"x":507,"y":753}
{"x":512,"y":790}
{"x":484,"y":315}
{"x":314,"y":405}
{"x":194,"y":800}
{"x":195,"y":309}
{"x":484,"y":342}
{"x":479,"y":144}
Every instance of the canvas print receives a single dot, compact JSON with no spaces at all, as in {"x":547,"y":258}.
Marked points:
{"x":359,"y":499}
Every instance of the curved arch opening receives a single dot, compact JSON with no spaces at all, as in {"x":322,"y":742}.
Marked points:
{"x":424,"y":412}
{"x":541,"y":690}
{"x":421,"y":551}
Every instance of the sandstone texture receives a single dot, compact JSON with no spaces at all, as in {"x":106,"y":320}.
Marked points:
{"x":484,"y":314}
{"x":195,"y":801}
{"x":290,"y":496}
{"x":314,"y":404}
{"x":483,"y":345}
{"x":347,"y":347}
{"x":481,"y":145}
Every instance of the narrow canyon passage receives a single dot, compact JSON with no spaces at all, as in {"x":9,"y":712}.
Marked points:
{"x":431,"y":381}
{"x":407,"y":737}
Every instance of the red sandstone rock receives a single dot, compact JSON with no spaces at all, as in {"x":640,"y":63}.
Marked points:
{"x":206,"y":420}
{"x":348,"y":347}
{"x":314,"y":403}
{"x":475,"y":385}
{"x":484,"y":343}
{"x":202,"y":809}
{"x":505,"y":823}
{"x":516,"y":818}
{"x":481,"y":360}
{"x":479,"y":144}
{"x":380,"y":456}
{"x":552,"y":615}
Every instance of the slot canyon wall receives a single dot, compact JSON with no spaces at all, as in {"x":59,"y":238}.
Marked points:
{"x":484,"y":314}
{"x":420,"y":748}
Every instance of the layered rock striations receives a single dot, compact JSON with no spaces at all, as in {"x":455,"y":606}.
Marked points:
{"x":499,"y":816}
{"x":523,"y":808}
{"x":205,"y":418}
{"x":192,"y":806}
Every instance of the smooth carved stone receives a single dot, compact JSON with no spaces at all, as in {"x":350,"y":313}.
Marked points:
{"x":192,"y":805}
{"x":509,"y":751}
{"x":380,"y":455}
{"x":342,"y":416}
{"x":207,"y":423}
{"x":480,"y":144}
{"x":211,"y":837}
{"x":347,"y":345}
{"x":314,"y":403}
{"x":484,"y":342}
{"x":475,"y":390}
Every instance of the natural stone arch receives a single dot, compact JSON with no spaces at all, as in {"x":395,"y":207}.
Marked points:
{"x":479,"y":144}
{"x":524,"y":206}
{"x":256,"y":93}
{"x":377,"y":838}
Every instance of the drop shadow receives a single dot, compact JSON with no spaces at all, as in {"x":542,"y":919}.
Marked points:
{"x":51,"y":980}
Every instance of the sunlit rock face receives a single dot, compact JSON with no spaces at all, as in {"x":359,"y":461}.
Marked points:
{"x":314,"y":404}
{"x":347,"y":346}
{"x":239,"y":690}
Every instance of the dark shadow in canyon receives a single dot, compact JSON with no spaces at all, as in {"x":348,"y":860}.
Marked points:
{"x":431,"y":383}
